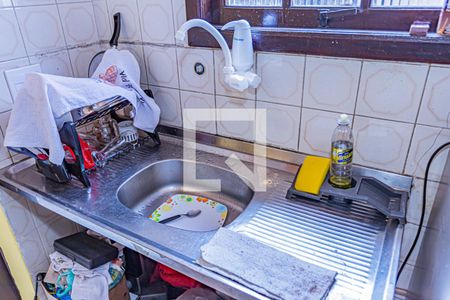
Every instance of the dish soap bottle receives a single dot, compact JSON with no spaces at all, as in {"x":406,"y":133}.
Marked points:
{"x":342,"y":154}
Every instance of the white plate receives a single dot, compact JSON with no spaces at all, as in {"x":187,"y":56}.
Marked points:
{"x":212,"y":216}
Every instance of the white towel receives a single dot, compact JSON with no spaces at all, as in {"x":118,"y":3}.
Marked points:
{"x":60,"y":263}
{"x":120,"y":67}
{"x":45,"y":98}
{"x":91,"y":284}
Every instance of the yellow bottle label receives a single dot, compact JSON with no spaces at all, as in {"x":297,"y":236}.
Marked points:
{"x":341,"y":156}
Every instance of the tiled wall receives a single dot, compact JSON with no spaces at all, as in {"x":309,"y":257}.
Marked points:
{"x":399,"y":110}
{"x":62,"y":37}
{"x":35,"y":229}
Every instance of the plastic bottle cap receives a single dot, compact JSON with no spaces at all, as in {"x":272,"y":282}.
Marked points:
{"x":344,"y":120}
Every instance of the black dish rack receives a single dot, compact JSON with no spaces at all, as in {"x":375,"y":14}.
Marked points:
{"x":69,"y":136}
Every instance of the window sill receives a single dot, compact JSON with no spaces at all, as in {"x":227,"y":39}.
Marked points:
{"x":384,"y":45}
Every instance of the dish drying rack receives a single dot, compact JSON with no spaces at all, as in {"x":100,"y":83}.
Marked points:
{"x":388,"y":201}
{"x":69,"y":136}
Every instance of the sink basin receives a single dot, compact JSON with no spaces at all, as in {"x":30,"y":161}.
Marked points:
{"x":146,"y":190}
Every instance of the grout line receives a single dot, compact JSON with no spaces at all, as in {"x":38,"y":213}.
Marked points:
{"x":415,"y":122}
{"x":358,"y":89}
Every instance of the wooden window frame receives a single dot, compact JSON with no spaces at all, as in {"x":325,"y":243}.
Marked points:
{"x":359,"y":36}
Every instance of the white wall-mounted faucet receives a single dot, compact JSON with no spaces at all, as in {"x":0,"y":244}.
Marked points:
{"x":238,"y":63}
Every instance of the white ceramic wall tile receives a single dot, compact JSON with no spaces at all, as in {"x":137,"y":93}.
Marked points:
{"x":415,"y":201}
{"x":405,"y":278}
{"x":102,"y":19}
{"x":381,"y":144}
{"x":281,"y":78}
{"x":435,"y":108}
{"x":162,"y":67}
{"x":138,"y":52}
{"x":222,"y":88}
{"x":130,"y":29}
{"x":391,"y":90}
{"x":72,"y":1}
{"x":55,"y":63}
{"x":5,"y":3}
{"x":425,"y":141}
{"x":11,"y":43}
{"x":33,"y":251}
{"x":316,"y":129}
{"x":41,"y":215}
{"x":80,"y":59}
{"x":19,"y":212}
{"x":238,"y":129}
{"x":193,"y":100}
{"x":32,"y":2}
{"x":55,"y":229}
{"x":331,"y":84}
{"x":156,"y":20}
{"x":78,"y":21}
{"x":179,"y":13}
{"x":408,"y":237}
{"x":168,"y":101}
{"x":6,"y":99}
{"x":283,"y":124}
{"x":41,"y":28}
{"x":189,"y":79}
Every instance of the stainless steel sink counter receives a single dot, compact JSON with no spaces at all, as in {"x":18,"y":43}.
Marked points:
{"x":354,"y":240}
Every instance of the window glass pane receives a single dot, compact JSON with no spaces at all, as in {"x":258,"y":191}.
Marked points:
{"x":254,"y":3}
{"x":333,"y":3}
{"x":407,"y":3}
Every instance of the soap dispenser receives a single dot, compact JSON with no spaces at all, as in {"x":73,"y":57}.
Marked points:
{"x":242,"y":48}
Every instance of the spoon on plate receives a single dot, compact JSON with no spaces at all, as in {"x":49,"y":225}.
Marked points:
{"x":190,"y":214}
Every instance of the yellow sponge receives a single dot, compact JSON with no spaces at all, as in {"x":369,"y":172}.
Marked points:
{"x":312,"y":174}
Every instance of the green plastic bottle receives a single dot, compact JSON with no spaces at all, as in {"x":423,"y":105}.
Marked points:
{"x":342,"y":154}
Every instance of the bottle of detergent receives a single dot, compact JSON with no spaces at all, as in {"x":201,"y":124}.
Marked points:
{"x":342,"y":154}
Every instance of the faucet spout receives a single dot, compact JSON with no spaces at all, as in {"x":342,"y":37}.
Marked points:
{"x":181,"y":35}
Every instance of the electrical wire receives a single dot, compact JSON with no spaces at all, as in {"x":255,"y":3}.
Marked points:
{"x":424,"y":202}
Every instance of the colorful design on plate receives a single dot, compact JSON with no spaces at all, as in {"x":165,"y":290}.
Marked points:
{"x":166,"y":208}
{"x":202,"y":199}
{"x":221,"y":208}
{"x":213,"y":213}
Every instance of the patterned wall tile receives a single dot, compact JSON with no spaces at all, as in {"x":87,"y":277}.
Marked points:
{"x":283,"y":124}
{"x":435,"y":108}
{"x":11,"y":44}
{"x":78,"y":22}
{"x":162,"y":67}
{"x":381,"y":144}
{"x":281,"y":78}
{"x":196,"y":100}
{"x":331,"y":84}
{"x":425,"y":141}
{"x":391,"y":90}
{"x":237,"y":129}
{"x":41,"y":28}
{"x":157,"y":23}
{"x":102,"y":19}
